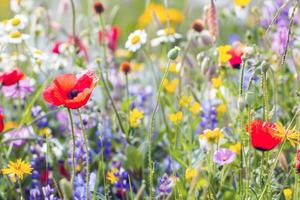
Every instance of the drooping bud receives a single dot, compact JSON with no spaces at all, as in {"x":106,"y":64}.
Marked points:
{"x":198,"y":25}
{"x":98,"y":7}
{"x":125,"y":67}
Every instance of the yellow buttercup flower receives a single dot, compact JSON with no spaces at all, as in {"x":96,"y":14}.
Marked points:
{"x":288,"y":193}
{"x":216,"y":82}
{"x":242,"y":3}
{"x":111,"y":177}
{"x":170,"y":86}
{"x":174,"y":68}
{"x":137,"y":66}
{"x":224,"y":56}
{"x":185,"y":101}
{"x":236,"y":148}
{"x":135,"y":117}
{"x":10,"y":125}
{"x":176,"y":117}
{"x":190,"y":173}
{"x":195,"y":108}
{"x":222,"y":108}
{"x":17,"y":169}
{"x":212,"y":136}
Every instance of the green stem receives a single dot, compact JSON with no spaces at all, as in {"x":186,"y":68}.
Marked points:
{"x":73,"y":147}
{"x":272,"y":169}
{"x":21,"y":190}
{"x":152,"y":120}
{"x":85,"y":141}
{"x":112,"y":101}
{"x":104,"y":46}
{"x":73,"y":19}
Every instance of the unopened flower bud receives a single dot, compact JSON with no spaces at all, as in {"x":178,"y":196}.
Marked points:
{"x":173,"y":53}
{"x":125,"y":67}
{"x":265,"y":66}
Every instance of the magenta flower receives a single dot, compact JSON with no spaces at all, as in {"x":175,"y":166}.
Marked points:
{"x":20,"y":90}
{"x":224,"y":156}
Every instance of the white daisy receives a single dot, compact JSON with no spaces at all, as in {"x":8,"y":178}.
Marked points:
{"x":18,"y":22}
{"x":164,"y":36}
{"x":15,"y":37}
{"x":136,"y":40}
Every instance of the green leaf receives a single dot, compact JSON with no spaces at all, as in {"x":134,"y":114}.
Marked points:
{"x":134,"y":158}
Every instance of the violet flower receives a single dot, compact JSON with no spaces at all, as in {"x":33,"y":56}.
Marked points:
{"x":224,"y":156}
{"x":20,"y":90}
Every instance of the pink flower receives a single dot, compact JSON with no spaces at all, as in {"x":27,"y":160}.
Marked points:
{"x":18,"y":133}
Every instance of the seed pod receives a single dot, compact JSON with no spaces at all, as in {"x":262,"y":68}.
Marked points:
{"x":173,"y":53}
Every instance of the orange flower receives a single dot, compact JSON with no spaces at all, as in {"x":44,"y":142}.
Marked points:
{"x":71,"y":91}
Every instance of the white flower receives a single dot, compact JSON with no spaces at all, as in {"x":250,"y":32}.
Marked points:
{"x":20,"y":5}
{"x":16,"y":23}
{"x":136,"y":40}
{"x":15,"y":37}
{"x":164,"y":36}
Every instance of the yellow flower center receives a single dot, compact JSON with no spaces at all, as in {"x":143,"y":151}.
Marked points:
{"x":15,"y":21}
{"x":15,"y":34}
{"x":169,"y":31}
{"x":135,"y":39}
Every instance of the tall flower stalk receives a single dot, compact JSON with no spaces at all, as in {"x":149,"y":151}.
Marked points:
{"x":85,"y":141}
{"x":73,"y":147}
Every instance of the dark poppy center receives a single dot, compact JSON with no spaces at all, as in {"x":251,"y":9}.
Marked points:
{"x":72,"y":94}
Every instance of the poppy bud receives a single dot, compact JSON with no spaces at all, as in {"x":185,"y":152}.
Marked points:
{"x":98,"y":7}
{"x":265,"y":66}
{"x":125,"y":67}
{"x":198,"y":25}
{"x":173,"y":53}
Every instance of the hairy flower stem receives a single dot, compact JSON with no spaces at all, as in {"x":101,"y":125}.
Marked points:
{"x":21,"y":190}
{"x":85,"y":141}
{"x":152,"y":120}
{"x":242,"y":125}
{"x":73,"y":18}
{"x":73,"y":147}
{"x":104,"y":46}
{"x":112,"y":101}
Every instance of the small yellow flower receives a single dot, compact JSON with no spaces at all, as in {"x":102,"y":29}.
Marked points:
{"x":236,"y":148}
{"x":216,"y":82}
{"x":174,"y":68}
{"x":222,"y":108}
{"x":185,"y":101}
{"x":176,"y":117}
{"x":195,"y":108}
{"x":288,"y":192}
{"x":17,"y":169}
{"x":10,"y":125}
{"x":111,"y":177}
{"x":212,"y":136}
{"x":170,"y":86}
{"x":45,"y":132}
{"x":223,"y":54}
{"x":242,"y":3}
{"x":135,"y":117}
{"x":190,"y":173}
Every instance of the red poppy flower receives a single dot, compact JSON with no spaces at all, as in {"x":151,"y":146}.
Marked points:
{"x":1,"y":122}
{"x":236,"y":57}
{"x":44,"y":176}
{"x":111,"y":36}
{"x":298,"y":161}
{"x":70,"y":90}
{"x":11,"y":77}
{"x":262,"y":137}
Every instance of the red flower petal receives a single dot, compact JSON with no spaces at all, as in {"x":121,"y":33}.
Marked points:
{"x":11,"y":77}
{"x":1,"y":122}
{"x":262,"y":135}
